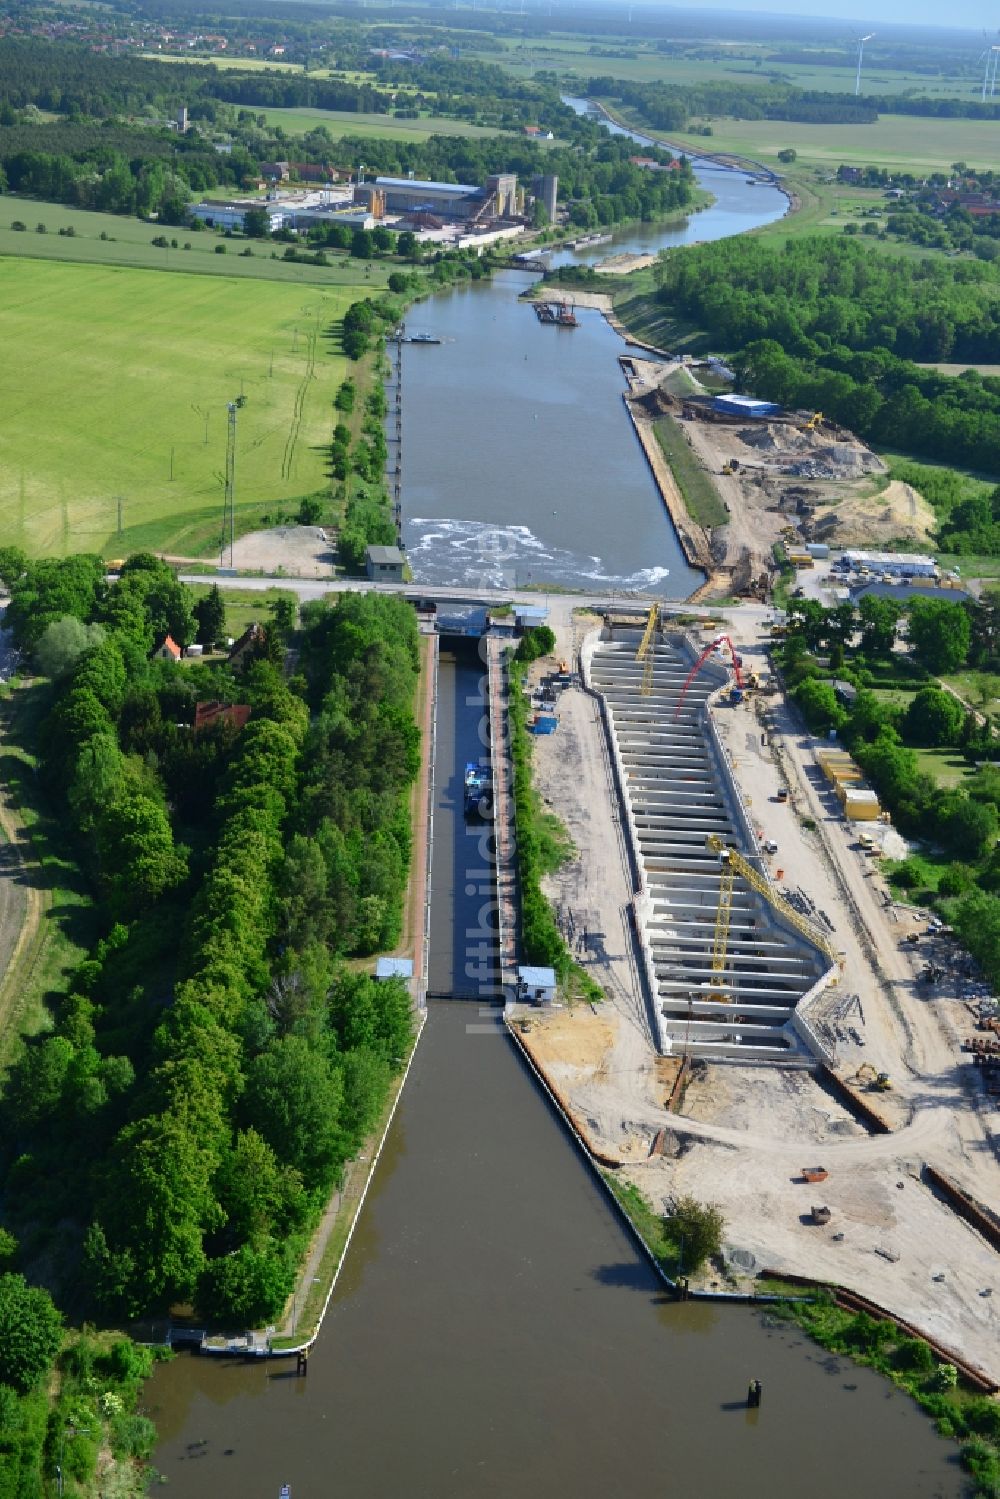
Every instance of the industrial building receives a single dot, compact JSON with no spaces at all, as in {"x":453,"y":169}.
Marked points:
{"x":451,"y":200}
{"x":546,"y":189}
{"x":746,"y":406}
{"x":899,"y":564}
{"x":288,"y":210}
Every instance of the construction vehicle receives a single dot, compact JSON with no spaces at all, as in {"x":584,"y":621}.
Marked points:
{"x":732,"y":466}
{"x":816,"y":420}
{"x":732,"y":863}
{"x":880,"y":1081}
{"x":647,"y":649}
{"x":710,"y":649}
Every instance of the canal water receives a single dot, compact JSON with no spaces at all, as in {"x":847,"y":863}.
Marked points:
{"x":462,"y":958}
{"x":519,"y":461}
{"x":496,"y":1334}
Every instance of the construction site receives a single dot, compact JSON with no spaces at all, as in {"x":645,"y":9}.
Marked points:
{"x":778,"y":1037}
{"x":774,"y":474}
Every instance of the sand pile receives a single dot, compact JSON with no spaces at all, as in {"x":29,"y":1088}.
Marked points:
{"x":897,"y":514}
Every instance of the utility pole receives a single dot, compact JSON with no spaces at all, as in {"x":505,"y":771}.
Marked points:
{"x":230,"y":500}
{"x":121,"y":512}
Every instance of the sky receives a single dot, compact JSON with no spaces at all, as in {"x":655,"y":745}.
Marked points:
{"x":979,"y":15}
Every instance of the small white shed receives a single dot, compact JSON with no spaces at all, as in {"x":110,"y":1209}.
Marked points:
{"x":536,"y":986}
{"x":394,"y":968}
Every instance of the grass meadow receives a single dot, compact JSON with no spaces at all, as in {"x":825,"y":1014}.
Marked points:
{"x":622,"y":57}
{"x":900,"y":143}
{"x":129,"y":243}
{"x":340,"y":122}
{"x":116,"y":384}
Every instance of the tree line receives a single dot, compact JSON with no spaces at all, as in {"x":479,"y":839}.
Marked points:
{"x":671,"y":106}
{"x":821,"y":323}
{"x":212,"y":1066}
{"x":959,"y":823}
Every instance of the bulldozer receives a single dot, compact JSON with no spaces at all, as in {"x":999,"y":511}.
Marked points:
{"x":880,"y":1081}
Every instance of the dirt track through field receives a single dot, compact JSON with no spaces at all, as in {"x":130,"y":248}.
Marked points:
{"x":288,"y":459}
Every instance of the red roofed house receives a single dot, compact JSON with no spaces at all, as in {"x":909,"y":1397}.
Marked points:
{"x":211,"y":713}
{"x":168,"y":651}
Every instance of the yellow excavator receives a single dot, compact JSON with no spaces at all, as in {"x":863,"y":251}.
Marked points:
{"x":816,"y":420}
{"x":880,"y":1081}
{"x":732,"y":863}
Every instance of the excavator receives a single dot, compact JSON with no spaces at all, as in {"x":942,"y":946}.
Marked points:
{"x":816,"y":420}
{"x":880,"y":1081}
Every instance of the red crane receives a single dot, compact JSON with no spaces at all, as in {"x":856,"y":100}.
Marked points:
{"x":713,"y":645}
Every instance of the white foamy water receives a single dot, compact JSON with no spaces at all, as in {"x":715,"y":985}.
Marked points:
{"x":468,"y":553}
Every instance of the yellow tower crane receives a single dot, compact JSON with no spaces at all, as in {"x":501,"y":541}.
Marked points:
{"x":732,"y":864}
{"x":646,"y":651}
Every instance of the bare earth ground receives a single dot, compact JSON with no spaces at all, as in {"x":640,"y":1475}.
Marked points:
{"x":775,"y":462}
{"x":295,"y":551}
{"x":776,"y":467}
{"x":743,"y":1133}
{"x":622,"y":265}
{"x":898,"y":513}
{"x":598,"y":299}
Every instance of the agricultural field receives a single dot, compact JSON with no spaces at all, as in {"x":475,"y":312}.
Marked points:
{"x":129,"y":244}
{"x":116,"y":383}
{"x":746,"y":63}
{"x":901,"y":143}
{"x":235,"y":64}
{"x":340,"y":122}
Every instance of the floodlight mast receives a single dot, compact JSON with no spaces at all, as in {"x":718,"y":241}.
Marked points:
{"x":861,"y":51}
{"x":230,"y":501}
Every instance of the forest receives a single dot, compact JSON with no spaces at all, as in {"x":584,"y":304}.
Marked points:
{"x":900,"y":708}
{"x":91,"y":159}
{"x":824,"y":324}
{"x":213,"y":1063}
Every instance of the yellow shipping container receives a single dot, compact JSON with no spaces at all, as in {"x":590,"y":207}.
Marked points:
{"x":859,"y":804}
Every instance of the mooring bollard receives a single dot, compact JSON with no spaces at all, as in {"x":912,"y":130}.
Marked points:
{"x":753,"y":1395}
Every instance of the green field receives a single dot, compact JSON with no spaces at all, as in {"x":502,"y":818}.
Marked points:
{"x":234,"y":64}
{"x":340,"y":122}
{"x":703,"y":501}
{"x":129,"y":244}
{"x":946,"y":766}
{"x":111,"y":374}
{"x":745,"y":63}
{"x":905,"y":143}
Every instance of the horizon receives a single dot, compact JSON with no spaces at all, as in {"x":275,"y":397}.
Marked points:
{"x":974,"y":16}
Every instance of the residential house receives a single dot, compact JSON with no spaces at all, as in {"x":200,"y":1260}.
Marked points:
{"x":249,"y":647}
{"x":169,"y":650}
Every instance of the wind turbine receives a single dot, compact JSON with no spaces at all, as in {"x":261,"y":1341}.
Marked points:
{"x":861,"y":49}
{"x":991,"y":56}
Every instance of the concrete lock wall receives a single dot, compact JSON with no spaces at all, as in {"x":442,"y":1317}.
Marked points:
{"x":677,"y":788}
